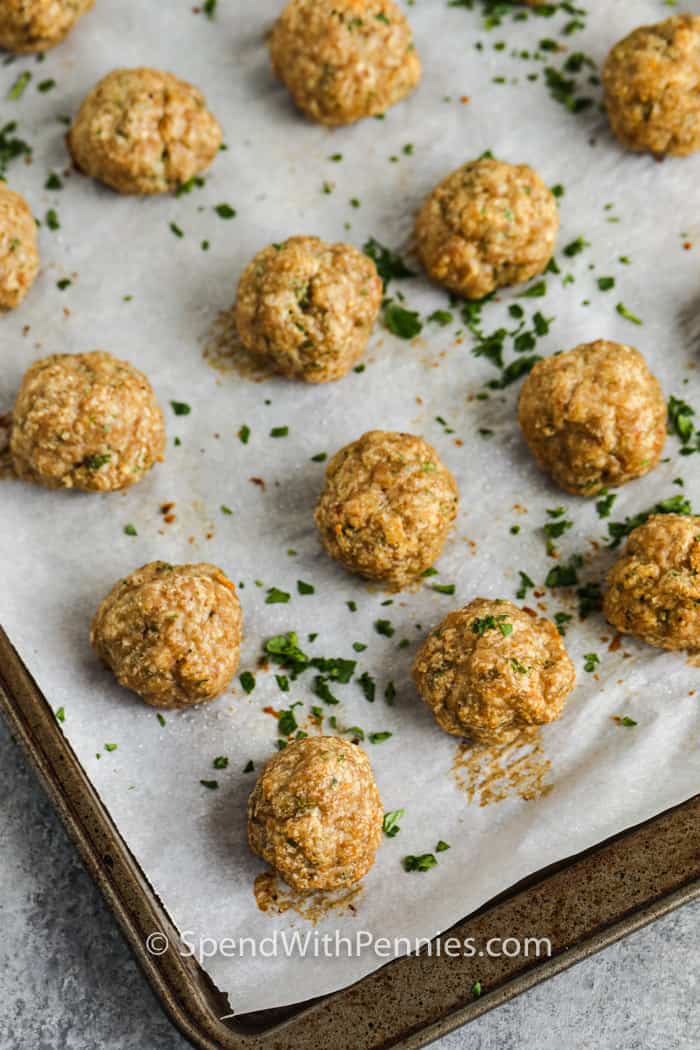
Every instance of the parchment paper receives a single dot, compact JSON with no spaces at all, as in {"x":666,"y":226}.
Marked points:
{"x":61,"y":552}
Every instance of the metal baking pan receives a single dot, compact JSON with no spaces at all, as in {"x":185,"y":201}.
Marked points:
{"x":581,"y":905}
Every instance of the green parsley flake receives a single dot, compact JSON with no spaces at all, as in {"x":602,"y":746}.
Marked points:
{"x":422,"y":862}
{"x":247,"y":680}
{"x":180,"y":408}
{"x":390,"y":825}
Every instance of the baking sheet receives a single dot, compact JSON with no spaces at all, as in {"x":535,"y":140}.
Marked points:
{"x":141,"y":292}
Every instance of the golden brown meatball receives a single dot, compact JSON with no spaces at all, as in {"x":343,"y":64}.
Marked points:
{"x":308,"y":307}
{"x":37,"y":25}
{"x":652,"y":87}
{"x":387,"y":507}
{"x":488,"y":224}
{"x":85,"y":421}
{"x":654,"y":587}
{"x":19,"y":254}
{"x":490,"y":670}
{"x":315,"y":814}
{"x":171,"y":633}
{"x":143,"y":131}
{"x":342,"y":60}
{"x":594,"y":416}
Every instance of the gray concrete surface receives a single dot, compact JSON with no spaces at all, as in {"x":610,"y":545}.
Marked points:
{"x":68,"y":981}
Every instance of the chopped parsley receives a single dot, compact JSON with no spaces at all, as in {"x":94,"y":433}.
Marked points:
{"x":526,"y":584}
{"x":279,"y":432}
{"x":176,"y":229}
{"x":52,"y":219}
{"x":390,"y":825}
{"x":604,"y":505}
{"x":247,"y":680}
{"x":11,"y":147}
{"x":422,"y":862}
{"x":379,"y":738}
{"x":17,"y":89}
{"x":406,"y":324}
{"x":130,"y":530}
{"x":368,"y":686}
{"x":225,"y":211}
{"x":244,"y":434}
{"x":305,"y":588}
{"x":275,"y":596}
{"x":180,"y":408}
{"x":390,"y":265}
{"x":384,"y":627}
{"x":492,"y":623}
{"x":212,"y":785}
{"x":220,"y":762}
{"x":590,"y":662}
{"x":627,"y":314}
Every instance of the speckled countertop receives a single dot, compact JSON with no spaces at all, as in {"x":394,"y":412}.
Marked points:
{"x":68,"y":981}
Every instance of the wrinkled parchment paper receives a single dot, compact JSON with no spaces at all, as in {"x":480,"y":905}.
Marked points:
{"x":61,"y":552}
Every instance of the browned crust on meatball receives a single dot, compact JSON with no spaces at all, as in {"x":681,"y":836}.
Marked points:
{"x":387,"y":507}
{"x":654,"y":587}
{"x":171,"y":633}
{"x":490,"y":670}
{"x":651,"y":80}
{"x":487,"y":225}
{"x":315,"y":814}
{"x":19,"y":254}
{"x":308,"y":307}
{"x":85,"y":421}
{"x":594,"y":416}
{"x":143,"y":131}
{"x":342,"y":60}
{"x":37,"y":25}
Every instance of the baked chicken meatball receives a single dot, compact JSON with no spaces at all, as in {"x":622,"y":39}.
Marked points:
{"x":171,"y":633}
{"x":490,"y":670}
{"x":651,"y":80}
{"x":315,"y":814}
{"x":487,"y":225}
{"x":387,"y":507}
{"x":342,"y":60}
{"x":37,"y":25}
{"x":19,"y":255}
{"x":594,"y":416}
{"x":308,"y":307}
{"x":85,"y":421}
{"x":143,"y":131}
{"x":654,"y":587}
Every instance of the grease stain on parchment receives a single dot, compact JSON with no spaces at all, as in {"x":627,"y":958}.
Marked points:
{"x":224,"y":352}
{"x":274,"y":896}
{"x":6,"y":470}
{"x":489,"y":774}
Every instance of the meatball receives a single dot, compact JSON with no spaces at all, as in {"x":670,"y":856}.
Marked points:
{"x":387,"y":506}
{"x":315,"y":814}
{"x":37,"y":25}
{"x":308,"y":307}
{"x":143,"y":131}
{"x":490,"y":670}
{"x":342,"y":60}
{"x":651,"y":81}
{"x":85,"y":421}
{"x":594,"y":416}
{"x":171,"y":633}
{"x":654,"y":587}
{"x":19,"y":255}
{"x":487,"y":225}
